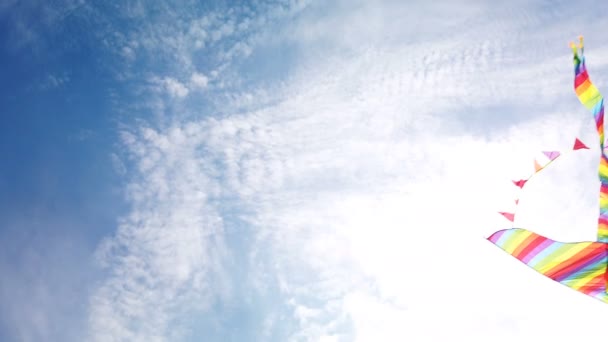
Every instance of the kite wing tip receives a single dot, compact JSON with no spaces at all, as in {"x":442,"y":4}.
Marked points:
{"x":492,"y":238}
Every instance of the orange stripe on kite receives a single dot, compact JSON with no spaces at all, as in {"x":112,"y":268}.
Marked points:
{"x":583,"y":87}
{"x":578,"y":260}
{"x":594,"y":284}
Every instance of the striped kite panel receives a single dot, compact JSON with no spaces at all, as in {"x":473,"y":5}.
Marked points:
{"x":579,"y":265}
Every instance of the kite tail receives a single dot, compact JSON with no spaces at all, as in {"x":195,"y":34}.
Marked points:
{"x":586,"y":92}
{"x":591,"y":98}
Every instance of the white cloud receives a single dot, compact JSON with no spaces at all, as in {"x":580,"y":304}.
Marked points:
{"x":128,"y":53}
{"x":53,"y":81}
{"x":199,"y":80}
{"x":174,"y":88}
{"x":179,"y":41}
{"x":168,"y":251}
{"x":226,"y":29}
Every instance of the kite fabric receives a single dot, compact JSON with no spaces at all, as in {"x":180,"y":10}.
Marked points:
{"x":591,"y":98}
{"x":581,"y":266}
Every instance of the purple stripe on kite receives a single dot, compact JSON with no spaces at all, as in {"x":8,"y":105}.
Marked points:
{"x":601,"y":295}
{"x":598,"y":109}
{"x":536,"y":250}
{"x":496,"y":236}
{"x":581,"y":67}
{"x":590,"y":264}
{"x":599,"y":264}
{"x":504,"y":237}
{"x":544,"y":253}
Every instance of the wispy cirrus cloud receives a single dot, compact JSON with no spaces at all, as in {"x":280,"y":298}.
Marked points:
{"x":166,"y":264}
{"x":168,"y":253}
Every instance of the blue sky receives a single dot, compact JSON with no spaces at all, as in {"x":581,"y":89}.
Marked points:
{"x":288,"y":170}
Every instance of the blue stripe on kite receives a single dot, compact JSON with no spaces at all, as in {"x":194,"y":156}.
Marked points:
{"x":594,"y":264}
{"x":540,"y":256}
{"x":505,"y":237}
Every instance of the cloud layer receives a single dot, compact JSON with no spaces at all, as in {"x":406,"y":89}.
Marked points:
{"x":306,"y":171}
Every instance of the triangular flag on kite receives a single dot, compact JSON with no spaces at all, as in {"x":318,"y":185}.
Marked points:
{"x":508,"y":216}
{"x":537,"y":166}
{"x":551,"y":154}
{"x":578,"y":145}
{"x":520,"y":183}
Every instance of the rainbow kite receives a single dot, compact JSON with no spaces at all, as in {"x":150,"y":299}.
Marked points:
{"x":581,"y":266}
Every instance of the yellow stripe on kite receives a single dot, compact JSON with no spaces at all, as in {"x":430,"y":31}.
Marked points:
{"x":590,"y":97}
{"x":515,"y":241}
{"x":558,"y":256}
{"x":580,"y":282}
